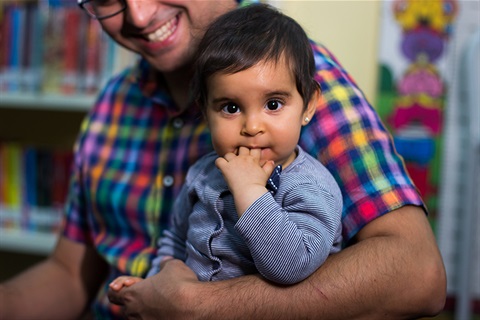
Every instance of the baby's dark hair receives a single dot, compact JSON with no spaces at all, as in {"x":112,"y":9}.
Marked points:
{"x":245,"y":36}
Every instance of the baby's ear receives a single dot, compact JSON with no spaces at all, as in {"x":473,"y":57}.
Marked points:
{"x":311,"y":107}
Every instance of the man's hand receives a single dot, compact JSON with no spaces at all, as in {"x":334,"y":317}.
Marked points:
{"x":163,"y":296}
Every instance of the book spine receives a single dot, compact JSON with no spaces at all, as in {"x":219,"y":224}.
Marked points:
{"x":12,"y":186}
{"x":32,"y":54}
{"x":107,"y":58}
{"x":92,"y":57}
{"x":44,"y":178}
{"x":14,"y":60}
{"x":61,"y":171}
{"x":3,"y":174}
{"x":71,"y":51}
{"x":15,"y":172}
{"x":5,"y":47}
{"x":30,"y":177}
{"x":53,"y":54}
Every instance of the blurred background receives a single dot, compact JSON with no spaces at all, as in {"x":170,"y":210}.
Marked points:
{"x":417,"y":61}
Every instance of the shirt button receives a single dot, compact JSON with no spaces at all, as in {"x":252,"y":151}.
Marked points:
{"x":167,"y":181}
{"x":177,"y":123}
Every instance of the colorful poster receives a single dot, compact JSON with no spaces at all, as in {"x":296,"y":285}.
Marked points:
{"x":413,"y":85}
{"x":422,"y":100}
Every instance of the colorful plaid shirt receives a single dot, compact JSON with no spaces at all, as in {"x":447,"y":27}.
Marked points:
{"x":134,"y":150}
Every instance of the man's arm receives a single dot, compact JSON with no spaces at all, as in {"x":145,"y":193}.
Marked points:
{"x":58,"y":288}
{"x":394,"y":271}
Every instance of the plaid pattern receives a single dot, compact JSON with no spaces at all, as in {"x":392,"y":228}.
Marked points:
{"x":130,"y":162}
{"x":348,"y":137}
{"x":134,"y":150}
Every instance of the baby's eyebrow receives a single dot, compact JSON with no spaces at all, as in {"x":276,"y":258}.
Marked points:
{"x":277,"y":93}
{"x":221,"y":99}
{"x":268,"y":95}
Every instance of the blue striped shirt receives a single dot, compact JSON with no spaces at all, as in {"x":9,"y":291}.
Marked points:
{"x":285,"y":236}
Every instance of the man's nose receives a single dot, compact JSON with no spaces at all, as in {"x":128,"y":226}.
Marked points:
{"x":139,"y":12}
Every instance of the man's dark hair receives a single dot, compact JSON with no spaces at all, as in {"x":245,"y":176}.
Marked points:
{"x":245,"y":36}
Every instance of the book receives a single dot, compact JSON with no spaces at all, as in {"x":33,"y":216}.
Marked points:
{"x":92,"y":57}
{"x":30,"y":168}
{"x":3,"y":174}
{"x":5,"y":35}
{"x":52,"y":48}
{"x":44,"y":174}
{"x":52,"y":56}
{"x":32,"y":55}
{"x":33,"y":187}
{"x":62,"y":162}
{"x":11,"y":181}
{"x":13,"y":68}
{"x":13,"y":175}
{"x":71,"y":51}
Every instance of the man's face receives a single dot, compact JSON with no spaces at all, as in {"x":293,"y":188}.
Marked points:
{"x":166,"y":33}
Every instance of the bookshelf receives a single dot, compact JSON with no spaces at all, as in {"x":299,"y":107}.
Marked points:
{"x":53,"y":61}
{"x":77,"y":102}
{"x":27,"y":242}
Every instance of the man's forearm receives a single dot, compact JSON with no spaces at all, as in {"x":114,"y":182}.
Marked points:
{"x":40,"y":293}
{"x":58,"y":288}
{"x":386,"y":275}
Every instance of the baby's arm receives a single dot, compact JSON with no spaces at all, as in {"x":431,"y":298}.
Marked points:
{"x":245,"y":176}
{"x":124,"y":281}
{"x":289,"y":243}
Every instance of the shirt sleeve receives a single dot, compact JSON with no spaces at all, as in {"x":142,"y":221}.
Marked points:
{"x":348,"y":137}
{"x":289,"y":243}
{"x":75,"y":224}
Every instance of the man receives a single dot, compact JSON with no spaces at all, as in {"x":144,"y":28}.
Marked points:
{"x":143,"y":134}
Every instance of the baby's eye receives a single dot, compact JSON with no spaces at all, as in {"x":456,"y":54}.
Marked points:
{"x":274,"y":105}
{"x":230,"y":108}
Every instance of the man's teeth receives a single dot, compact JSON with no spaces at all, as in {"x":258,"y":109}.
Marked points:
{"x":164,"y":32}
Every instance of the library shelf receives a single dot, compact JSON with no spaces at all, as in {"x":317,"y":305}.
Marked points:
{"x":31,"y":230}
{"x":30,"y":242}
{"x":59,"y":59}
{"x":58,"y":102}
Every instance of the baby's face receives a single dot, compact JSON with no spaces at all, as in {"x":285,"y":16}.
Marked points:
{"x":257,"y":108}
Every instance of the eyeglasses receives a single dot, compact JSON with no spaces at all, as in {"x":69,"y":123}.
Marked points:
{"x":102,"y":9}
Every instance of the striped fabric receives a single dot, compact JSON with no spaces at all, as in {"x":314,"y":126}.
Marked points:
{"x":134,"y":150}
{"x":285,"y":237}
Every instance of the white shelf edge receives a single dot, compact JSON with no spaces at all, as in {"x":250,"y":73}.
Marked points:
{"x":27,"y":241}
{"x":47,"y":101}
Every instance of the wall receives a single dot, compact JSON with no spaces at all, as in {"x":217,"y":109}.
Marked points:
{"x":348,"y":28}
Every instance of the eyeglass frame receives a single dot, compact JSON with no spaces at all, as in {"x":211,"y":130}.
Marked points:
{"x":81,"y":4}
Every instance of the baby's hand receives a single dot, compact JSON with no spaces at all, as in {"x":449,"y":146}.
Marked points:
{"x":245,"y":175}
{"x":243,"y":171}
{"x":123,"y":281}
